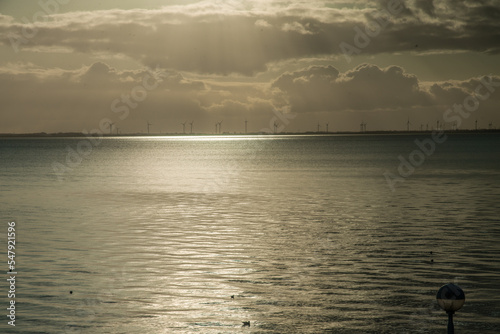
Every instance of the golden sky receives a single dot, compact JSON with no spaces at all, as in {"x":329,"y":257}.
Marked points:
{"x":66,"y":65}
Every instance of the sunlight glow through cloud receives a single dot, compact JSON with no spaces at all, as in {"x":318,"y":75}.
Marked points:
{"x":225,"y":59}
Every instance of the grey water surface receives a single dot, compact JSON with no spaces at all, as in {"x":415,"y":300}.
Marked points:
{"x":155,"y":234}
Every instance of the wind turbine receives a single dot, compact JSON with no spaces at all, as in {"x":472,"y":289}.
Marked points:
{"x":183,"y":127}
{"x":275,"y":127}
{"x":246,"y":126}
{"x":220,"y":126}
{"x":318,"y":126}
{"x":476,"y":124}
{"x":110,"y":126}
{"x":408,"y":124}
{"x":149,"y":124}
{"x":191,"y":124}
{"x":326,"y":127}
{"x":362,"y":126}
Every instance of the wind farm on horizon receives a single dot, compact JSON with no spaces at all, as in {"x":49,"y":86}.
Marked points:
{"x":321,"y":129}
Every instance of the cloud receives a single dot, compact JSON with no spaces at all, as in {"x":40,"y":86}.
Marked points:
{"x":36,"y":99}
{"x":297,"y":27}
{"x":228,"y":37}
{"x":366,"y":87}
{"x":385,"y":96}
{"x":426,"y":6}
{"x":447,"y":93}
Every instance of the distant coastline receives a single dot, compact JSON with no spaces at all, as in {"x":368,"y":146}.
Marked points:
{"x":331,"y":133}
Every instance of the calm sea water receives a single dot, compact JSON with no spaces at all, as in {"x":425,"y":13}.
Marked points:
{"x":154,"y":235}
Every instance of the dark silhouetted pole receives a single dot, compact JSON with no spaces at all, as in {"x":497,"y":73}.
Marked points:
{"x":451,"y":328}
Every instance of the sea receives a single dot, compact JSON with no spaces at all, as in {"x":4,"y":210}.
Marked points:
{"x":250,"y":234}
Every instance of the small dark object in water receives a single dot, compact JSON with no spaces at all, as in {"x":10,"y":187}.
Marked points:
{"x":431,"y":252}
{"x":232,"y":297}
{"x":246,"y":324}
{"x":432,"y":260}
{"x":71,"y":292}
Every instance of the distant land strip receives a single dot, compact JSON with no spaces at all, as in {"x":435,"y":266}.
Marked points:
{"x":332,"y":133}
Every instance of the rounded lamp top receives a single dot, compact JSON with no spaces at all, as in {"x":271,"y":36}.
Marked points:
{"x":450,"y":297}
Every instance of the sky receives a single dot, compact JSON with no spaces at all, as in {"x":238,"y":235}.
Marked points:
{"x":73,"y":66}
